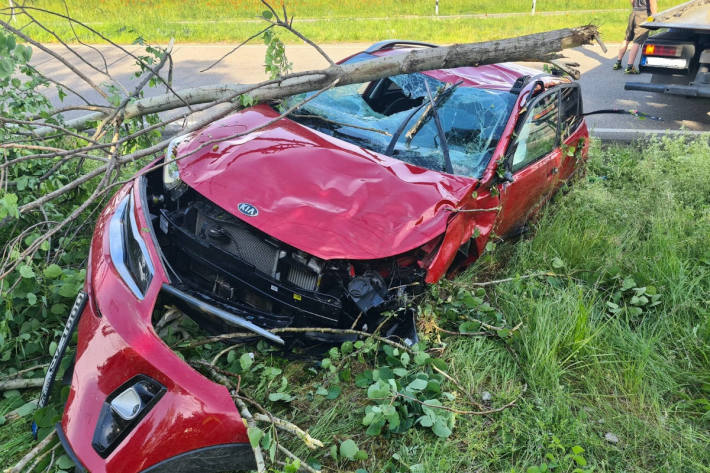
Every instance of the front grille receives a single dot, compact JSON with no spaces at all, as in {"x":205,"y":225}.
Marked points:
{"x":256,"y":251}
{"x":303,"y":278}
{"x":236,"y":237}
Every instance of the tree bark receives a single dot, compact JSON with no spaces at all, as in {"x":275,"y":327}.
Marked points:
{"x":538,"y":47}
{"x":10,"y":384}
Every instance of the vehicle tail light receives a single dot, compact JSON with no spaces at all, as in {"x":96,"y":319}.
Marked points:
{"x":663,"y":50}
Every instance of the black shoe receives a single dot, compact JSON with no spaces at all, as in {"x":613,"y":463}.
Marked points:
{"x":616,"y":66}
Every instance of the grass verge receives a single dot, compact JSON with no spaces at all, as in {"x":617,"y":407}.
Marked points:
{"x":326,"y":21}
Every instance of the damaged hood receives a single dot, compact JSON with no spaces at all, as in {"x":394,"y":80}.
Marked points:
{"x":316,"y":193}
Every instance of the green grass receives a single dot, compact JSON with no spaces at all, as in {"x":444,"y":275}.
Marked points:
{"x":325,"y":20}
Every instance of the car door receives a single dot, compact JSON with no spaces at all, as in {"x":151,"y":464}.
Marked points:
{"x":571,"y":129}
{"x":534,"y":158}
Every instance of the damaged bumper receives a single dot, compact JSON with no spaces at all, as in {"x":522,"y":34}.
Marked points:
{"x":134,"y":405}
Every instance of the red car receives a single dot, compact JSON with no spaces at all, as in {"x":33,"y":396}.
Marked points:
{"x":327,"y":218}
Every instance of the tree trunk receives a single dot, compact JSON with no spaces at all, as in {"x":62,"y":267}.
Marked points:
{"x":538,"y":47}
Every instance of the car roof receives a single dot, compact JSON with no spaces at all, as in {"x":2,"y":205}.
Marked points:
{"x":501,"y":76}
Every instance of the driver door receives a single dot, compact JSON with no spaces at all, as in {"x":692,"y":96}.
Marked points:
{"x":534,"y":157}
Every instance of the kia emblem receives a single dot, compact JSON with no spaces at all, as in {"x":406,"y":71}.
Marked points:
{"x":248,"y":209}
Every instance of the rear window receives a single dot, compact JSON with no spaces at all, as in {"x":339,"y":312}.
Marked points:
{"x":370,"y":114}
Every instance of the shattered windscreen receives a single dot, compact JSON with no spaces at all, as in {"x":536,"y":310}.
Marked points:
{"x":370,"y":115}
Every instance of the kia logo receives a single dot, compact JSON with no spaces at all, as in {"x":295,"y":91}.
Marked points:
{"x":248,"y":209}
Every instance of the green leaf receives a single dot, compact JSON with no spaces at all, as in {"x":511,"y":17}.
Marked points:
{"x":321,"y":391}
{"x":557,"y":263}
{"x":361,"y":455}
{"x":348,"y":449}
{"x":334,"y":392}
{"x":378,"y":390}
{"x":31,"y":298}
{"x":7,"y":67}
{"x":64,"y":462}
{"x":400,"y":372}
{"x":246,"y":360}
{"x":577,"y":450}
{"x":417,"y":385}
{"x":275,"y":397}
{"x":255,"y":436}
{"x":580,"y":460}
{"x":267,"y":14}
{"x":52,"y":271}
{"x":469,"y":326}
{"x":26,"y":272}
{"x":440,"y":428}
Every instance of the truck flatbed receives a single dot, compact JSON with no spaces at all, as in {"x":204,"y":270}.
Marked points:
{"x":693,"y":15}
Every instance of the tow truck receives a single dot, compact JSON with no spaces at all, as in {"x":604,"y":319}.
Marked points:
{"x":678,"y":57}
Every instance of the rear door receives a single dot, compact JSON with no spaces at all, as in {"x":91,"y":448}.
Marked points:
{"x":534,"y":157}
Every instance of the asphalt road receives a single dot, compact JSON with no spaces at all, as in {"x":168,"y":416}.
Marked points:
{"x":602,"y":87}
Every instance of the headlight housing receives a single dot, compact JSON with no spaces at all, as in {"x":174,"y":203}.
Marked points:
{"x":128,"y":250}
{"x":171,"y":172}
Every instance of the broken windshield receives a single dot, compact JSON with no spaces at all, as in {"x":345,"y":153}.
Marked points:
{"x":369,"y":115}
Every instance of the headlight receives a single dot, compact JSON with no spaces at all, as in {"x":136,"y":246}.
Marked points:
{"x":171,"y":173}
{"x":128,"y":251}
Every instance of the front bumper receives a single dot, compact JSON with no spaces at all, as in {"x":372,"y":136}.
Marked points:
{"x":193,"y":427}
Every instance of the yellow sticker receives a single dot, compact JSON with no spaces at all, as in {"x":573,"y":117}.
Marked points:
{"x":297,"y":297}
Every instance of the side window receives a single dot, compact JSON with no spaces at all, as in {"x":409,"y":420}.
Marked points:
{"x":537,"y":135}
{"x":570,"y":110}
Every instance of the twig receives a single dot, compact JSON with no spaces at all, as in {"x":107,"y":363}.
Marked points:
{"x":10,"y":384}
{"x":42,"y":457}
{"x":25,"y":370}
{"x":469,"y":413}
{"x":56,"y":56}
{"x":339,"y":331}
{"x":303,"y":465}
{"x":237,"y":47}
{"x":312,"y":443}
{"x":258,"y":456}
{"x":33,"y":453}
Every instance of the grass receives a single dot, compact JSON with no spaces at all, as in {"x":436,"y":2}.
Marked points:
{"x":327,"y":21}
{"x":641,"y":212}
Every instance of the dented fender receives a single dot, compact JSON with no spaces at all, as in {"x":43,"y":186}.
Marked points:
{"x":475,"y":220}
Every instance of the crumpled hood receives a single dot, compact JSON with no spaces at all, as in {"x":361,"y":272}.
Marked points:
{"x":319,"y":194}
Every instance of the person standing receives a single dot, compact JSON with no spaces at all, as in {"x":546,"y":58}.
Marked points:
{"x":640,"y":11}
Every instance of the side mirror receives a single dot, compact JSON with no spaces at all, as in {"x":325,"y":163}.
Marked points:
{"x":508,"y":177}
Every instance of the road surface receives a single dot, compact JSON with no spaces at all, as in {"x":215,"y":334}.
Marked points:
{"x":602,"y":87}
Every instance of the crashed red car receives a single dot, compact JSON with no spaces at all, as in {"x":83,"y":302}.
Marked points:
{"x":327,"y":218}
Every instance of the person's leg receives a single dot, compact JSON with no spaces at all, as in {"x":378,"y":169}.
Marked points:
{"x":622,"y":51}
{"x":627,"y":39}
{"x":632,"y":54}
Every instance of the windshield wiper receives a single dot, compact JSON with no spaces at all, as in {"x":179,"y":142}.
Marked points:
{"x":439,"y":96}
{"x":448,"y":167}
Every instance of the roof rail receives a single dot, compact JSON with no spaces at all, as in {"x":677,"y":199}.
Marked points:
{"x":389,"y":43}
